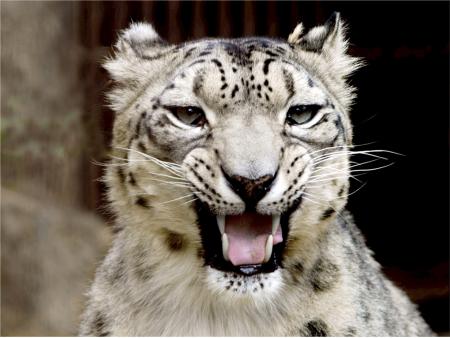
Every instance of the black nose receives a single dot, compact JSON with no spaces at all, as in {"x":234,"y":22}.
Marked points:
{"x":250,"y":190}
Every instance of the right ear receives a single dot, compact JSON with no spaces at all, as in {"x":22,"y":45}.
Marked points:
{"x":138,"y":53}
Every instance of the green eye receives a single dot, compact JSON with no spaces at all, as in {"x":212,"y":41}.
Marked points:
{"x":190,"y":115}
{"x":301,"y":114}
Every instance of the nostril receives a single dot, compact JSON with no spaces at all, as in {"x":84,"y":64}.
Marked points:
{"x":250,"y":190}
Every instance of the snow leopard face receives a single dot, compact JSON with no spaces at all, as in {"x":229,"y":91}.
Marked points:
{"x":232,"y":152}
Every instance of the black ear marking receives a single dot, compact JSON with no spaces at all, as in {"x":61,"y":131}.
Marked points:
{"x":332,"y":22}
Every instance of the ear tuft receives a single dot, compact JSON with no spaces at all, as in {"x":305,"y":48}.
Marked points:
{"x":296,"y":35}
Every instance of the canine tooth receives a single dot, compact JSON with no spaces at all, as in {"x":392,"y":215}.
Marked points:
{"x":221,"y":223}
{"x":225,"y":246}
{"x":269,"y":247}
{"x":275,"y":223}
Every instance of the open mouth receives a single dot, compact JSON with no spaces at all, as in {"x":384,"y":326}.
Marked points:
{"x":245,"y":244}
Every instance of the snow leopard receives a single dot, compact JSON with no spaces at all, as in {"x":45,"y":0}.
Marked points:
{"x":229,"y":181}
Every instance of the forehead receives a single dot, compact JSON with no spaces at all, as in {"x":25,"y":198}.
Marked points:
{"x":256,"y":71}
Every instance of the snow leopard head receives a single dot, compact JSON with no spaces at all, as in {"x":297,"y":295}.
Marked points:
{"x":231,"y":153}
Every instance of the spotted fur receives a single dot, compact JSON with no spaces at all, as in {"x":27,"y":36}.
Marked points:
{"x":155,"y":280}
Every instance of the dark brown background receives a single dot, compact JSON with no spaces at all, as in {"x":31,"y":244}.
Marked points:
{"x":403,"y":106}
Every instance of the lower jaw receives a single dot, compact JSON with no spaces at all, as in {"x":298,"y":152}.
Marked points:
{"x":252,"y":269}
{"x":211,"y":241}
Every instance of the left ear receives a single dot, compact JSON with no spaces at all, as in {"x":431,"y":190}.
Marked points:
{"x":320,"y":38}
{"x":324,"y":48}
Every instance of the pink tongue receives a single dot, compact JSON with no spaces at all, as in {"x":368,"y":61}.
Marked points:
{"x":247,"y":237}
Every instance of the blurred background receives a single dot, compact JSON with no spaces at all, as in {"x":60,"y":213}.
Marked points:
{"x":54,"y":125}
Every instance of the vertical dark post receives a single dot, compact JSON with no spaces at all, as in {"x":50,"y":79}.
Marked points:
{"x":225,"y":19}
{"x":199,"y":27}
{"x":174,"y":29}
{"x":249,"y":18}
{"x":272,"y":18}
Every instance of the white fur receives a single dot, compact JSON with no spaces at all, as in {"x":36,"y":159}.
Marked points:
{"x":140,"y":32}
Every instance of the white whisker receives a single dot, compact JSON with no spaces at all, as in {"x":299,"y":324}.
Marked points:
{"x":176,"y":199}
{"x":354,"y":192}
{"x":170,"y":166}
{"x":373,"y":169}
{"x":328,"y":204}
{"x":326,"y":157}
{"x":192,"y":200}
{"x":334,"y":178}
{"x":314,"y":197}
{"x":342,"y":146}
{"x":178,"y":177}
{"x":176,"y":184}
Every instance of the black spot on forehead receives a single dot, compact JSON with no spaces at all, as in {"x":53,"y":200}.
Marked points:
{"x":241,"y":50}
{"x":280,"y":50}
{"x":270,"y":53}
{"x":198,"y":84}
{"x":266,"y":65}
{"x":189,"y":52}
{"x":289,"y":83}
{"x":204,"y":53}
{"x":197,"y":62}
{"x":235,"y":90}
{"x":217,"y":62}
